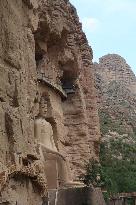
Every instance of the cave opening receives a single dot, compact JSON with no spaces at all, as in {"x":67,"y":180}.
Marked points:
{"x":39,"y":56}
{"x":68,"y":82}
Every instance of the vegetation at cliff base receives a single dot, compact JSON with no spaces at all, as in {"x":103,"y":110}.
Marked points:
{"x":118,"y":162}
{"x":116,"y":171}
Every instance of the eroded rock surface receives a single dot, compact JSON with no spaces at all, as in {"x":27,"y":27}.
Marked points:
{"x":43,"y":54}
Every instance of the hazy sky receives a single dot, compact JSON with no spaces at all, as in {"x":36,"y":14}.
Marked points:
{"x":110,"y":26}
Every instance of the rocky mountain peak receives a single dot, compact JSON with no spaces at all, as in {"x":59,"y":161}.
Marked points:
{"x":112,"y":67}
{"x":116,"y":86}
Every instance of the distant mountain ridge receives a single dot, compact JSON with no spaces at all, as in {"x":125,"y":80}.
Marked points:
{"x":113,"y":67}
{"x":116,"y":86}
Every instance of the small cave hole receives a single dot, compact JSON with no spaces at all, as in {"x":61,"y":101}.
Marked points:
{"x":25,"y":162}
{"x":39,"y":54}
{"x":67,"y":83}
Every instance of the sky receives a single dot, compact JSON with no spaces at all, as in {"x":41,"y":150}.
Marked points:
{"x":110,"y":27}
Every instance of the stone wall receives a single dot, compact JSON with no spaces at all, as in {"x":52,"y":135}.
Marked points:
{"x":80,"y":196}
{"x":43,"y":54}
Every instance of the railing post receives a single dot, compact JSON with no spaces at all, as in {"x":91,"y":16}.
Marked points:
{"x":125,"y":201}
{"x":135,"y":200}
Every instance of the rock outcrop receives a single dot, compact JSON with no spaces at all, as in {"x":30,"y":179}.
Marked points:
{"x":116,"y":85}
{"x":43,"y":55}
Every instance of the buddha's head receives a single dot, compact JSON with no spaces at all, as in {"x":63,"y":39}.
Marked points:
{"x":43,"y":107}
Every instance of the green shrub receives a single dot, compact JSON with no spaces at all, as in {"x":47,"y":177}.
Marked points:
{"x":114,"y":174}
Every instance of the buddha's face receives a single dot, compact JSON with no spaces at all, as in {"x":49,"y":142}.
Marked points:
{"x":43,"y":107}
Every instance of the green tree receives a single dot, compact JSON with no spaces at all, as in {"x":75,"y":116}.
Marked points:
{"x":113,"y":173}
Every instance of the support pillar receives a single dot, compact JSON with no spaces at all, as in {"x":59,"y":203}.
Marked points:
{"x":125,"y":201}
{"x":135,"y":200}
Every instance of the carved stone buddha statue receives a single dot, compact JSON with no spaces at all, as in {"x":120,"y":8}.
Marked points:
{"x":56,"y":166}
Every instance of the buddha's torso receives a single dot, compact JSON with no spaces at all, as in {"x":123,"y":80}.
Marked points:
{"x":45,"y":133}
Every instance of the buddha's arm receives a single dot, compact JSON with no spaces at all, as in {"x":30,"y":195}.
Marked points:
{"x":37,"y":131}
{"x":53,"y":143}
{"x":54,"y":148}
{"x":48,"y":152}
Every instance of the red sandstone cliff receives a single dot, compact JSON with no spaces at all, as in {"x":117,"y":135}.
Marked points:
{"x":43,"y":54}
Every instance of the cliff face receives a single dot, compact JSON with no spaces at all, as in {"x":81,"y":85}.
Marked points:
{"x":43,"y":55}
{"x":116,"y":85}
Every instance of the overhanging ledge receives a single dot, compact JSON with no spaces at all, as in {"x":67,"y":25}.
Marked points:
{"x":57,"y":88}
